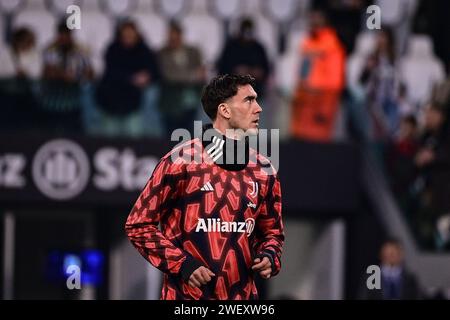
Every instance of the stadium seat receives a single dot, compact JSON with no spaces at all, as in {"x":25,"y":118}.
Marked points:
{"x":145,"y":6}
{"x":203,"y":30}
{"x":91,"y":5}
{"x":398,"y":14}
{"x":267,"y":32}
{"x":39,"y":19}
{"x":252,"y":7}
{"x":59,"y":7}
{"x":206,"y":33}
{"x":153,"y":28}
{"x":392,"y":11}
{"x":287,"y":65}
{"x":420,"y":69}
{"x":365,"y":44}
{"x":2,"y":31}
{"x":119,"y":8}
{"x":96,"y":33}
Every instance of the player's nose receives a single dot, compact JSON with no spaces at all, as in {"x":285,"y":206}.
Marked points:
{"x":258,"y":108}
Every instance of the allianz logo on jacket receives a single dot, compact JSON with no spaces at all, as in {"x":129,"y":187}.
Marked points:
{"x":216,"y":225}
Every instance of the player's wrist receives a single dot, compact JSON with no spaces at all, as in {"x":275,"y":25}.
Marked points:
{"x":269,"y":255}
{"x":188,"y":267}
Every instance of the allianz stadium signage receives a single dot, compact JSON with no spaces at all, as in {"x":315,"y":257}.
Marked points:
{"x":85,"y":171}
{"x":75,"y":170}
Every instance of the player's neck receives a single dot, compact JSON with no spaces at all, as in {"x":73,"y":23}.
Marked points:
{"x":227,"y":131}
{"x":228,"y":153}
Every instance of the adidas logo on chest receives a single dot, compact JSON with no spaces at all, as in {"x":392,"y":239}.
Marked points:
{"x":207,"y":187}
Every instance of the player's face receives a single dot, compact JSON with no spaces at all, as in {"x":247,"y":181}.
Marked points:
{"x":245,"y":110}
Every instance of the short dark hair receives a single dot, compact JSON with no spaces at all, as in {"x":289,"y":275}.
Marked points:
{"x":220,"y":89}
{"x":175,"y":26}
{"x":246,"y":24}
{"x":410,"y":119}
{"x":123,"y":24}
{"x":393,"y":241}
{"x":20,"y":35}
{"x":62,"y":27}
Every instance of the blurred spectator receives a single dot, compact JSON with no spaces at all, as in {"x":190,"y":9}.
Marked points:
{"x":397,"y":282}
{"x":183,"y":76}
{"x":244,"y":54}
{"x":381,"y":82}
{"x":346,"y":16}
{"x":433,"y":164}
{"x":441,"y":93}
{"x":130,"y":69}
{"x":20,"y":66}
{"x":400,"y":160}
{"x":354,"y":100}
{"x":398,"y":15}
{"x":21,"y":59}
{"x":66,"y":68}
{"x":443,"y":232}
{"x":320,"y":82}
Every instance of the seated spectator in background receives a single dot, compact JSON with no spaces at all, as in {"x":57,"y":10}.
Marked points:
{"x":183,"y":76}
{"x":66,"y":68}
{"x":441,"y":93}
{"x":244,"y":54}
{"x":21,"y":59}
{"x":20,"y":66}
{"x":400,"y":160}
{"x":433,"y":164}
{"x":443,"y":232}
{"x":320,"y":82}
{"x":380,"y":79}
{"x":397,"y":282}
{"x":130,"y":69}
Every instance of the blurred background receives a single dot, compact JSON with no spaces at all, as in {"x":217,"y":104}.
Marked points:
{"x":360,"y":96}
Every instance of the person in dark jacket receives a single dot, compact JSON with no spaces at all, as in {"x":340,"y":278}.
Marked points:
{"x":432,"y":162}
{"x":131,"y":67}
{"x":397,"y":282}
{"x":244,"y":54}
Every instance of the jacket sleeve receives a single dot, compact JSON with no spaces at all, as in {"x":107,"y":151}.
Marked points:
{"x":153,"y":205}
{"x":269,"y":227}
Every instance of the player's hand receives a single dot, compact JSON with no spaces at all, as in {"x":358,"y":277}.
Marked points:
{"x":200,"y":276}
{"x":264,"y":267}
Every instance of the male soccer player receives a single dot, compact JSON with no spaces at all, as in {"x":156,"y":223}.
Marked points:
{"x":219,"y":209}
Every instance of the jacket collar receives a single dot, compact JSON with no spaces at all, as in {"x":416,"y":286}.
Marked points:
{"x":229,"y":154}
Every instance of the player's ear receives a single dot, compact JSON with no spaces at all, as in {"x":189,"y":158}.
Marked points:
{"x":224,"y":110}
